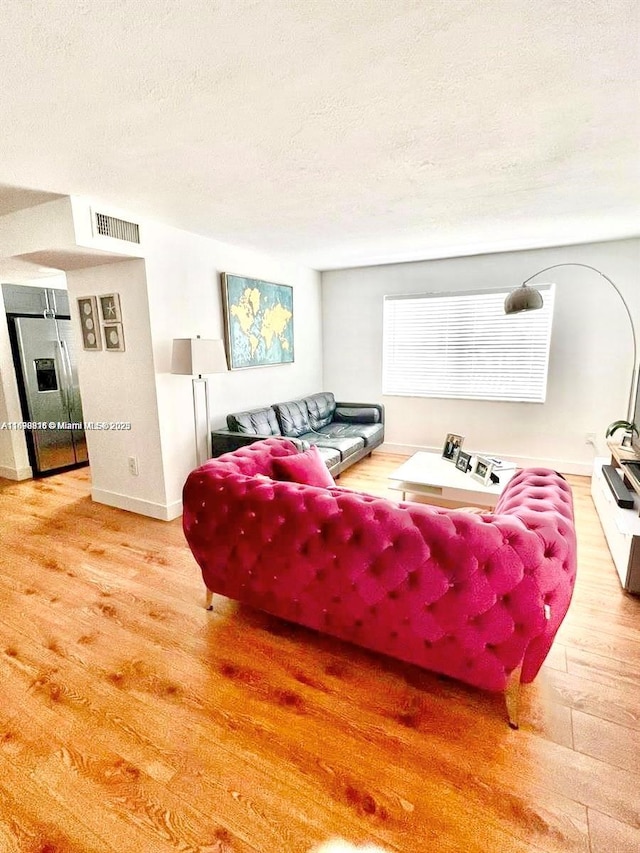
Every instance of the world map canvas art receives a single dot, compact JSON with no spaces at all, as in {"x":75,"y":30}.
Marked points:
{"x":258,"y":321}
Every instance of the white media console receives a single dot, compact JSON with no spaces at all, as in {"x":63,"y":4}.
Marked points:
{"x":621,"y":526}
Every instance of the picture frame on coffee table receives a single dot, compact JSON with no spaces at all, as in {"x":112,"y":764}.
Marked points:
{"x":452,"y":445}
{"x":463,"y":461}
{"x":482,"y":469}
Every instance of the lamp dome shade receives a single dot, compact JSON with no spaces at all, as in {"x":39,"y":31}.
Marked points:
{"x":523,"y":298}
{"x":198,"y":356}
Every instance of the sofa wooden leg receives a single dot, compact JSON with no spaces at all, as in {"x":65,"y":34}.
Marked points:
{"x":208,"y":600}
{"x":512,"y":695}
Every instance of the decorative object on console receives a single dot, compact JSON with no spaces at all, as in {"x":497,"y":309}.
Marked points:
{"x":525,"y":298}
{"x":88,"y":310}
{"x":258,"y":317}
{"x":452,"y":445}
{"x":629,"y":427}
{"x":463,"y":461}
{"x":481,"y":470}
{"x":198,"y":357}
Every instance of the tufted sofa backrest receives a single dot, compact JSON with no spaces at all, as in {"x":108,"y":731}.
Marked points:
{"x":321,"y":408}
{"x":255,"y":422}
{"x":471,"y":596}
{"x":542,"y":502}
{"x":256,"y":458}
{"x":293,"y":417}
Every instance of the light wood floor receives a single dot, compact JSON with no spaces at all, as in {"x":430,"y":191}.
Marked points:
{"x":132,"y":720}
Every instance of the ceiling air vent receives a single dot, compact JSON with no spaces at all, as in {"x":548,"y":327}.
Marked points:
{"x":119,"y":229}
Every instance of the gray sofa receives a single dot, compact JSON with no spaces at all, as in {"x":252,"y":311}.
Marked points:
{"x":343,"y":432}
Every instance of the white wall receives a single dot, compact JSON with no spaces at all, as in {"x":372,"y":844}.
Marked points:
{"x":183,"y":279}
{"x":46,"y":226}
{"x":120,"y":387}
{"x":590,"y":360}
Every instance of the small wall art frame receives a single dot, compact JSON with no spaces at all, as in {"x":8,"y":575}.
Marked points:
{"x":111,"y":322}
{"x":113,"y":337}
{"x":258,"y":321}
{"x":88,"y":311}
{"x":110,"y":308}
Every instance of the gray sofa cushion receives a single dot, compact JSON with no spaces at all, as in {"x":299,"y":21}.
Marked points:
{"x":255,"y":422}
{"x":330,"y":456}
{"x":357,"y":414}
{"x":347,"y":445}
{"x":371,"y":433}
{"x":321,"y":408}
{"x":293,"y":417}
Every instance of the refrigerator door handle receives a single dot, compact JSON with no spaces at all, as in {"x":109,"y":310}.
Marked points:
{"x":49,"y":312}
{"x":65,"y":385}
{"x":71,"y":388}
{"x":63,"y":345}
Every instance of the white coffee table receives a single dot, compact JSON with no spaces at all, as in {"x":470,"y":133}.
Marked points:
{"x":429,"y":474}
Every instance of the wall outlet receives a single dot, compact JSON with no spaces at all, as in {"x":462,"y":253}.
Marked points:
{"x":590,"y":438}
{"x":133,"y":466}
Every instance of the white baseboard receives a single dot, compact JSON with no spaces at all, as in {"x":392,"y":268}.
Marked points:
{"x":163,"y":512}
{"x":564,"y":466}
{"x":10,"y":473}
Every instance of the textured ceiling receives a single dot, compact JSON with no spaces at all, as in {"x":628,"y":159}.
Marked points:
{"x":342,"y":132}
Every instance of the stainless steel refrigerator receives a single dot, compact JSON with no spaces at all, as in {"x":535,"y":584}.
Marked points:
{"x":46,"y":372}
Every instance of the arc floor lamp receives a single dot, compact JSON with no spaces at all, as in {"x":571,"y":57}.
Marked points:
{"x":525,"y":298}
{"x":199,"y":357}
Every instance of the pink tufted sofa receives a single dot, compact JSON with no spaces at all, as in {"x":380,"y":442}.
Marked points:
{"x":475,"y":597}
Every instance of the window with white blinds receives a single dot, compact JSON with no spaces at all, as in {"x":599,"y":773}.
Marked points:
{"x":462,"y":345}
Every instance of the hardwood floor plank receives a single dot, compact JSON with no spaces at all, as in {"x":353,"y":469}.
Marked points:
{"x":31,"y":819}
{"x":611,"y":836}
{"x":617,"y":704}
{"x":607,"y":741}
{"x":598,"y":642}
{"x":557,"y":657}
{"x":603,"y":670}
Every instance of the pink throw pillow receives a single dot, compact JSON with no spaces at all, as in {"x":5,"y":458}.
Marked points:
{"x":307,"y":468}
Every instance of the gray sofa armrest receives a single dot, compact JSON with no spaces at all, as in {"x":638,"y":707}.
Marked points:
{"x":226,"y":440}
{"x":369,"y":413}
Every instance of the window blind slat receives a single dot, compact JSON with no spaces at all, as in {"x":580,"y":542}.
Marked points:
{"x":462,"y":345}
